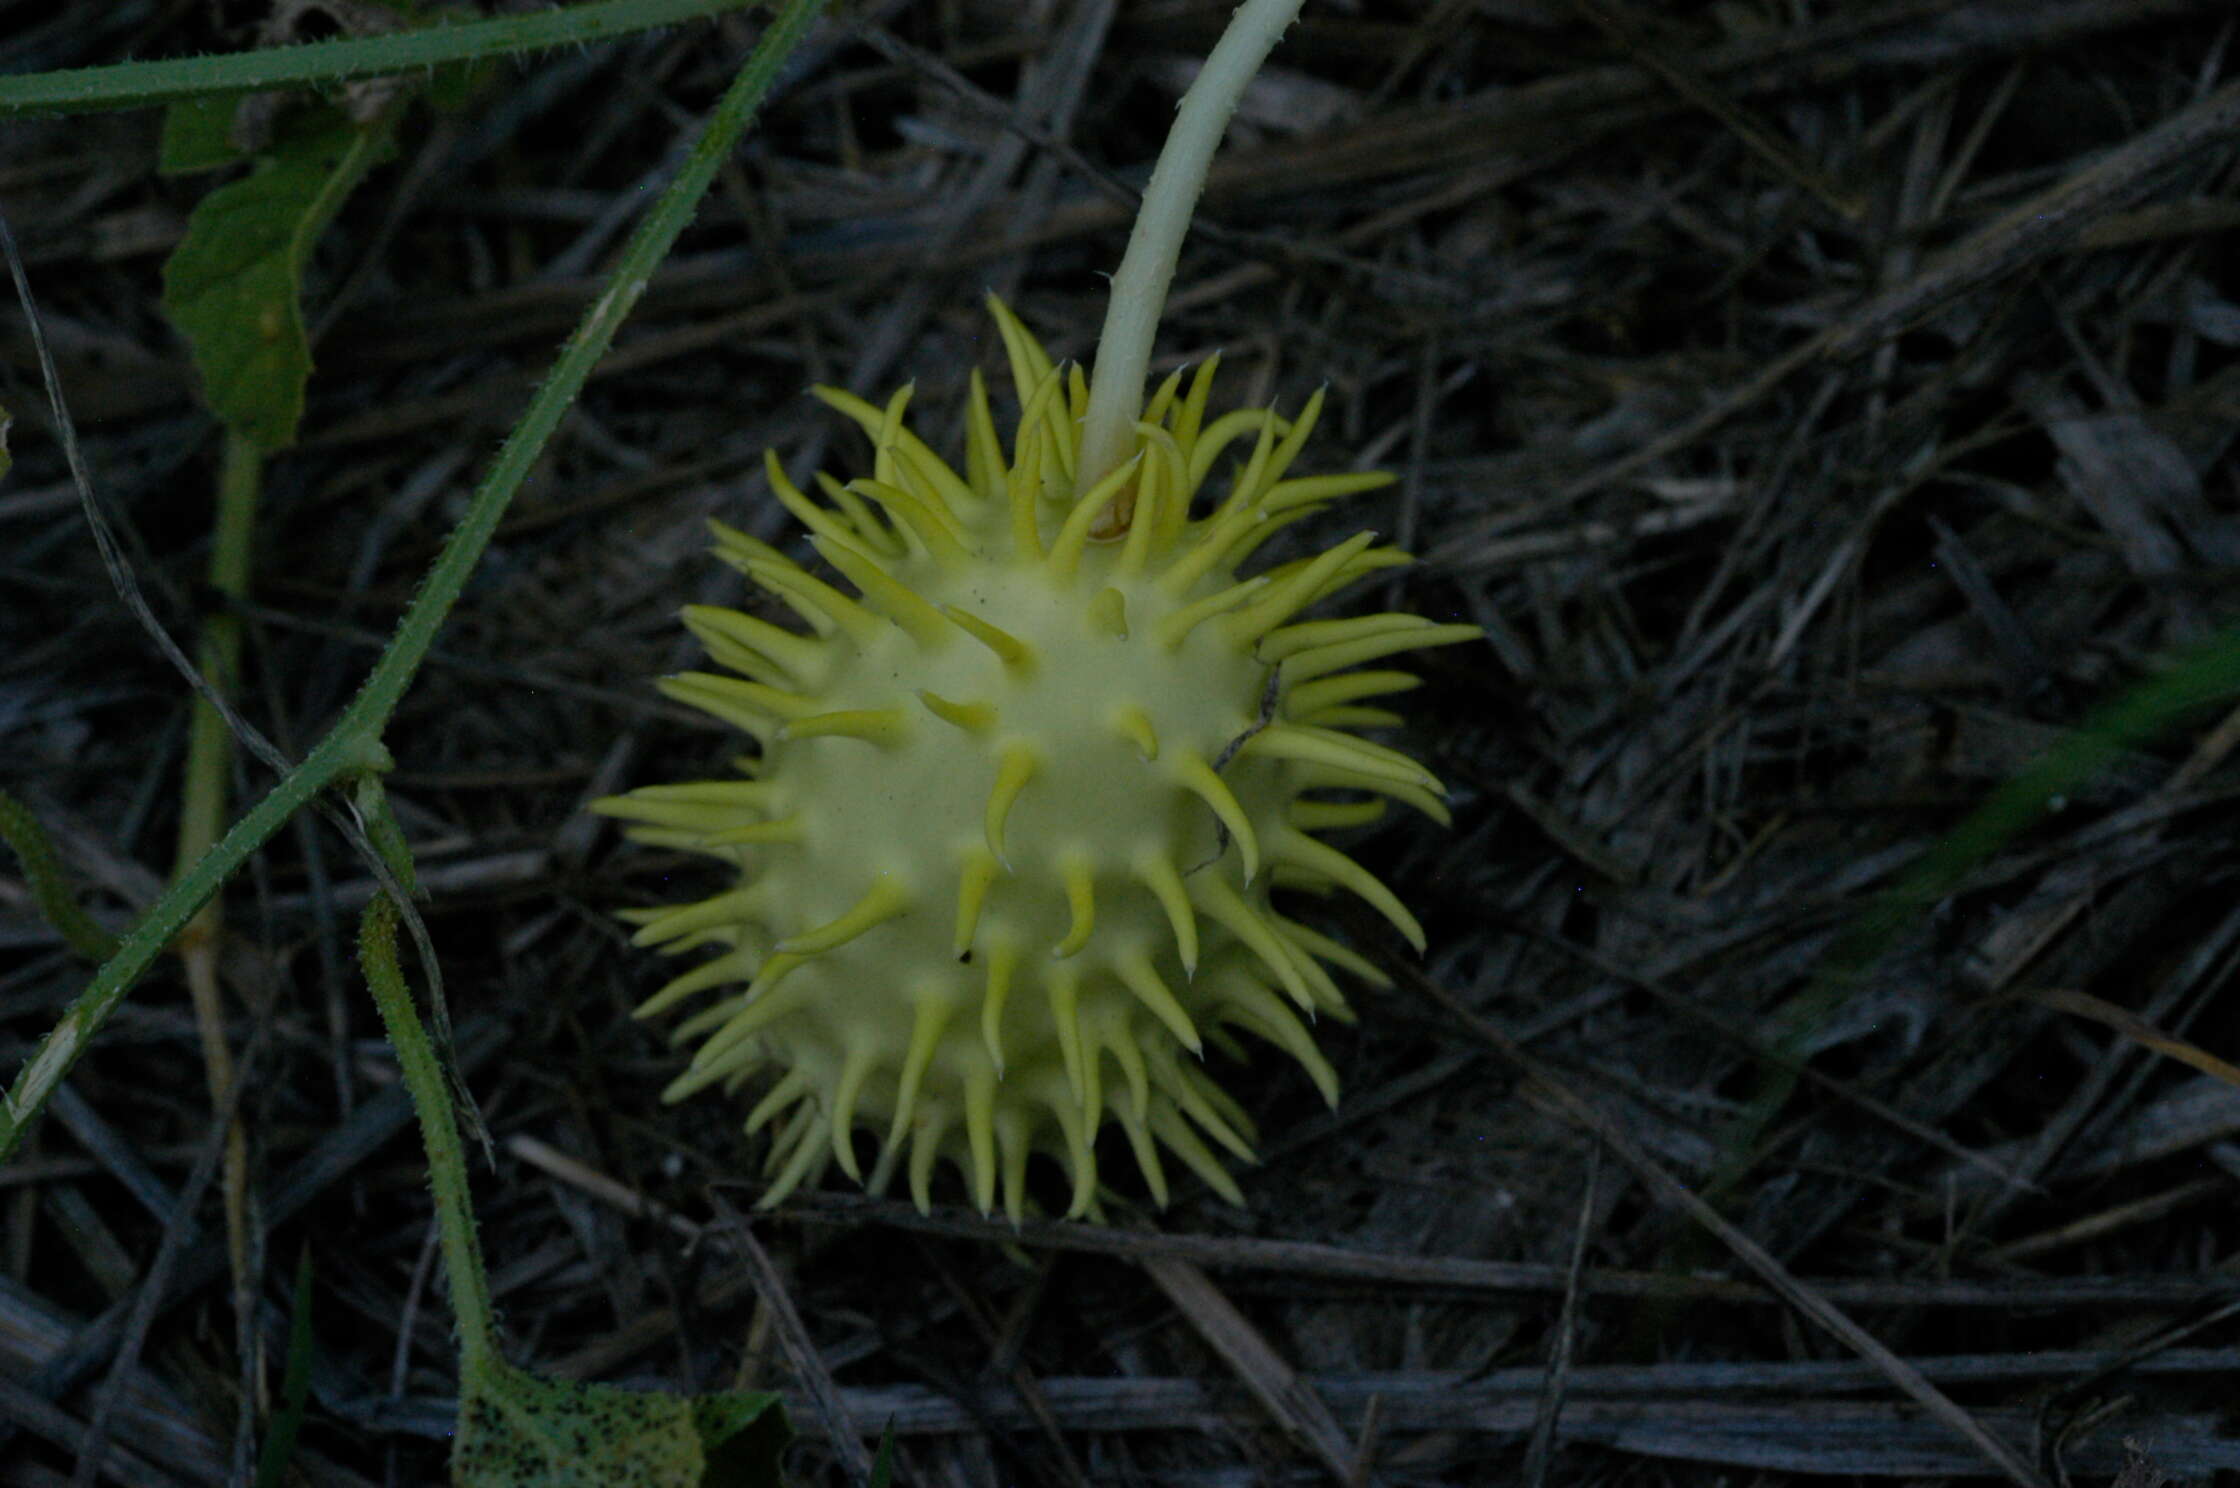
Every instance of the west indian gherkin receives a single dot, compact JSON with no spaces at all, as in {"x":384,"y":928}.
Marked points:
{"x":1008,"y":846}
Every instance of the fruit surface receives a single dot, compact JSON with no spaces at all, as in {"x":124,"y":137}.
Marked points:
{"x":1007,"y":847}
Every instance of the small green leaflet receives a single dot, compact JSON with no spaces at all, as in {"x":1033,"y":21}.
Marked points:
{"x":234,"y":284}
{"x":198,"y":135}
{"x":295,"y":1391}
{"x":517,"y":1430}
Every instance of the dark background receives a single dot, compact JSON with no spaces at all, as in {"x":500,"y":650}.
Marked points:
{"x":1822,"y":407}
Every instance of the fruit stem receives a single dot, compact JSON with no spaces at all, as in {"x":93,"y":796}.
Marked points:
{"x":1139,"y":288}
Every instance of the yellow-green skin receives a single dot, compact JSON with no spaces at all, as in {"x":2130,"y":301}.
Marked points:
{"x":1008,"y":846}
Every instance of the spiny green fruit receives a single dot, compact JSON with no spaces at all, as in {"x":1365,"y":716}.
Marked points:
{"x":1008,"y":844}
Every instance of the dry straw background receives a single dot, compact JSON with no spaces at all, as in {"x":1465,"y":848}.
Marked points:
{"x":1821,"y":405}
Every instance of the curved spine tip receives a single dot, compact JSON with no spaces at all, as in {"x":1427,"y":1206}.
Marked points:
{"x":885,"y":900}
{"x":1158,"y":511}
{"x":1223,"y":904}
{"x":716,"y":696}
{"x":1016,"y":655}
{"x":1062,"y":984}
{"x":1015,"y":767}
{"x":1155,"y":872}
{"x":1297,"y":849}
{"x":925,"y":1151}
{"x":948,"y":495}
{"x":815,"y":601}
{"x":1190,"y":770}
{"x":1079,"y":877}
{"x":1326,"y":692}
{"x":1146,"y":1154}
{"x":980,"y":1136}
{"x":785,"y":831}
{"x":1319,"y":661}
{"x":929,"y":528}
{"x":1108,"y":613}
{"x":1073,"y":537}
{"x":732,"y":966}
{"x":1133,"y":724}
{"x":786,"y":1093}
{"x":928,"y":1023}
{"x":974,"y":879}
{"x":1217,"y":437}
{"x":855,"y":1068}
{"x":1175,"y":628}
{"x":1312,"y":744}
{"x":1080,"y":1160}
{"x":891,"y":430}
{"x":1257,"y":1008}
{"x":1126,"y":1047}
{"x":973,"y":718}
{"x":1140,"y":977}
{"x":1003,"y":961}
{"x":1166,"y":1125}
{"x":983,"y":447}
{"x":808,"y":1154}
{"x":888,"y":728}
{"x":1030,"y":364}
{"x":802,"y":658}
{"x":1291,"y":593}
{"x":1216,"y":1115}
{"x":1334,"y":816}
{"x":1190,"y":416}
{"x":885,"y":593}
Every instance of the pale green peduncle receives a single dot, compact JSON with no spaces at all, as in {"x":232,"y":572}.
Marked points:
{"x":1139,"y":289}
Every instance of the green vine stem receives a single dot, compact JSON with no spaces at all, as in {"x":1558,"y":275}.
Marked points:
{"x":202,"y":797}
{"x":1139,"y":288}
{"x":439,"y":1134}
{"x":128,"y":85}
{"x":202,"y":812}
{"x":353,"y":746}
{"x":2205,"y":675}
{"x":50,"y":890}
{"x":206,"y":781}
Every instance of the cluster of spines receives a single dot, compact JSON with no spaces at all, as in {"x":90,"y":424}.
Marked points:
{"x":914,"y":505}
{"x":1265,"y":995}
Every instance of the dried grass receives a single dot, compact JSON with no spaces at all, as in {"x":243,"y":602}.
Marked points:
{"x":1820,"y":406}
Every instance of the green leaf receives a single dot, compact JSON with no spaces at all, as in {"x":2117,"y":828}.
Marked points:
{"x":198,"y":135}
{"x":2203,"y":676}
{"x":745,"y":1435}
{"x":234,"y":284}
{"x":454,"y":86}
{"x":42,"y":871}
{"x":516,"y":1428}
{"x":295,"y":1388}
{"x":882,"y":1470}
